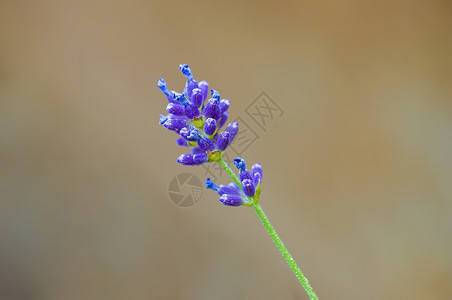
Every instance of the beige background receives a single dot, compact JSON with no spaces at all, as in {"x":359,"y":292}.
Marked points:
{"x":357,"y":172}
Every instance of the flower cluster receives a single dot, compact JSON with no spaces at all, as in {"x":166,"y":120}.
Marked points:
{"x":197,"y":121}
{"x":234,"y":195}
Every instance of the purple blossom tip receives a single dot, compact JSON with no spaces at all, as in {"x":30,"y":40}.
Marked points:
{"x":248,"y":187}
{"x":210,"y":126}
{"x":245,"y":174}
{"x":256,"y":171}
{"x":215,"y":94}
{"x":231,"y":188}
{"x":224,"y":105}
{"x":231,"y":200}
{"x":192,"y":159}
{"x":223,"y":141}
{"x":161,"y":84}
{"x":257,"y":179}
{"x":175,"y":109}
{"x":224,"y":118}
{"x":163,"y":119}
{"x":191,"y":111}
{"x":180,"y":98}
{"x":190,"y":133}
{"x":240,"y":163}
{"x":185,"y":69}
{"x":189,"y":87}
{"x":196,"y":97}
{"x":182,"y":142}
{"x":211,"y":185}
{"x":174,"y":123}
{"x":204,"y":87}
{"x":211,"y":108}
{"x":233,"y":129}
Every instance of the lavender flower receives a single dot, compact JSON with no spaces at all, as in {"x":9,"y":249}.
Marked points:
{"x":197,"y":122}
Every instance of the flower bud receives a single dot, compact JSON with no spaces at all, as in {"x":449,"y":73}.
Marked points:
{"x":223,"y":141}
{"x":189,"y":87}
{"x":210,"y":126}
{"x":215,"y":94}
{"x":196,"y":97}
{"x":239,"y":163}
{"x":231,"y":188}
{"x":204,"y":87}
{"x":206,"y":144}
{"x":224,"y":105}
{"x":231,"y":200}
{"x":176,"y":109}
{"x":245,"y":174}
{"x":211,"y":108}
{"x":256,"y":171}
{"x":192,"y":159}
{"x":248,"y":187}
{"x":161,"y":84}
{"x":224,"y":118}
{"x":190,"y":133}
{"x":232,"y":128}
{"x":185,"y":69}
{"x":211,"y":185}
{"x":191,"y":111}
{"x":175,"y":123}
{"x":182,"y":142}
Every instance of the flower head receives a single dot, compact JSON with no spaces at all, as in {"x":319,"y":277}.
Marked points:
{"x":197,"y":120}
{"x":247,"y":193}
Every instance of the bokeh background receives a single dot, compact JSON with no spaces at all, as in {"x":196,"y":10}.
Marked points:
{"x":357,"y":171}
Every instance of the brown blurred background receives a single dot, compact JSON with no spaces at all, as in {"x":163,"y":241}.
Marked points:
{"x":357,"y":172}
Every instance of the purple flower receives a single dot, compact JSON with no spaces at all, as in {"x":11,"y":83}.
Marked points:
{"x":230,"y":194}
{"x":231,"y":200}
{"x":197,"y":122}
{"x":248,"y":187}
{"x":196,"y":97}
{"x":210,"y":126}
{"x":223,"y":141}
{"x":174,"y":123}
{"x":215,"y":94}
{"x":211,"y":109}
{"x":232,"y":128}
{"x":224,"y":105}
{"x":223,"y":119}
{"x":204,"y":87}
{"x":193,"y":159}
{"x":250,"y":180}
{"x":190,"y":133}
{"x":256,"y":171}
{"x":176,"y":109}
{"x":185,"y":69}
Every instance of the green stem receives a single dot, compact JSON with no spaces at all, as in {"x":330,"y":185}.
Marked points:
{"x":284,"y":252}
{"x":276,"y":239}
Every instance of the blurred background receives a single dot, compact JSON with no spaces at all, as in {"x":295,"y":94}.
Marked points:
{"x":357,"y":166}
